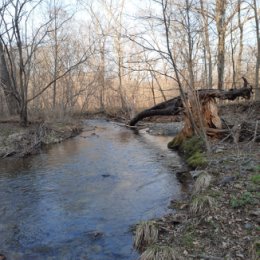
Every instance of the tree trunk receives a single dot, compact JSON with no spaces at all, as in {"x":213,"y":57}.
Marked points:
{"x":257,"y":87}
{"x":232,"y":58}
{"x":6,"y":84}
{"x":207,"y":45}
{"x":220,"y":21}
{"x":23,"y":115}
{"x":241,"y":46}
{"x":102,"y":76}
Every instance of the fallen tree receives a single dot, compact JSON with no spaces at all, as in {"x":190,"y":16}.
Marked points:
{"x":205,"y":114}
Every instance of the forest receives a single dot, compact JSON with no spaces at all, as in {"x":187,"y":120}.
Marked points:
{"x":124,"y":79}
{"x":65,"y":57}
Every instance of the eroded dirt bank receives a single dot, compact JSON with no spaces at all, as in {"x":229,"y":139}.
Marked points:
{"x":20,"y":142}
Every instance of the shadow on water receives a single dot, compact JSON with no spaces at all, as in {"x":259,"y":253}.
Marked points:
{"x":77,"y":199}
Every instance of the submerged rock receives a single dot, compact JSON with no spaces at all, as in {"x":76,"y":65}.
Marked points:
{"x":106,"y":175}
{"x":2,"y":257}
{"x":165,"y":128}
{"x":226,"y":180}
{"x":95,"y":234}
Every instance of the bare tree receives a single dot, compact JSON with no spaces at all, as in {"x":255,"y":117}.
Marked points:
{"x":207,"y":49}
{"x":21,"y":48}
{"x":256,"y":15}
{"x":221,"y":6}
{"x":223,"y":18}
{"x":241,"y":36}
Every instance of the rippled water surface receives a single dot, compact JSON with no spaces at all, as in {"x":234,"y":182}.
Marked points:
{"x":78,"y":199}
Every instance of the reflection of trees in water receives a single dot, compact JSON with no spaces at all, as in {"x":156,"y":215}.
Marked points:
{"x":19,"y":197}
{"x":12,"y":166}
{"x":125,"y":136}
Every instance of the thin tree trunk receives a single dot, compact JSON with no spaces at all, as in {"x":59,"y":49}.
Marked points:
{"x":22,"y":78}
{"x":257,"y":91}
{"x":220,"y":21}
{"x":23,"y":115}
{"x":205,"y":78}
{"x":208,"y":60}
{"x":55,"y":74}
{"x":241,"y":35}
{"x":152,"y":88}
{"x":159,"y":86}
{"x":232,"y":58}
{"x":102,"y":77}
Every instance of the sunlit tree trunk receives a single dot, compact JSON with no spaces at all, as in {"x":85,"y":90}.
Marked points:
{"x":221,"y":29}
{"x":241,"y":46}
{"x":208,"y":59}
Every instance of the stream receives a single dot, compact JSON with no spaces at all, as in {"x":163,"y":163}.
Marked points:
{"x":78,"y":199}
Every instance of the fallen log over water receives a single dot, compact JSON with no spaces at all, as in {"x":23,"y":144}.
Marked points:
{"x":203,"y":112}
{"x":174,"y":106}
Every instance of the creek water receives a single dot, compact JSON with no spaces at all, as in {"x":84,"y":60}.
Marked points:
{"x":78,"y":199}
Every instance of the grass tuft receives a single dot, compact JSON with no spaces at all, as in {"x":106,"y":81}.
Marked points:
{"x":242,"y":200}
{"x":157,"y":252}
{"x":255,"y":250}
{"x":201,"y":203}
{"x":202,"y":182}
{"x":197,"y":160}
{"x":256,"y":179}
{"x":146,"y":234}
{"x":192,"y":145}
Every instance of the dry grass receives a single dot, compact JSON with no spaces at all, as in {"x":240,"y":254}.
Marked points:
{"x":146,"y":234}
{"x":157,"y":252}
{"x":201,"y":203}
{"x":255,"y":250}
{"x":202,"y":182}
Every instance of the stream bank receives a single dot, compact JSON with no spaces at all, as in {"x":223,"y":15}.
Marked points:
{"x":220,"y":217}
{"x":17,"y":141}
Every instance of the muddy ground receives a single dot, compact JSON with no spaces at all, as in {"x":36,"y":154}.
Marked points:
{"x":220,"y":217}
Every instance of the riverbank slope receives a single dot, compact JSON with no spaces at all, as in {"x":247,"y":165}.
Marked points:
{"x":20,"y":142}
{"x":219,"y":219}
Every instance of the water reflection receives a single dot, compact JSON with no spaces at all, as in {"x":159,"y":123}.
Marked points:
{"x":52,"y":204}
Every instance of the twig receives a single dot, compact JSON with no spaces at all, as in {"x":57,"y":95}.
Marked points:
{"x":8,"y":154}
{"x":255,"y":132}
